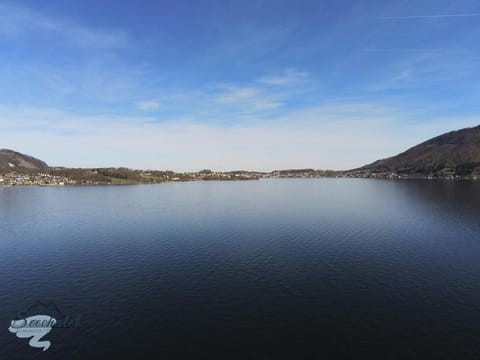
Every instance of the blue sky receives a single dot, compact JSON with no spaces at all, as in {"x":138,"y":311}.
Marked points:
{"x":227,"y":85}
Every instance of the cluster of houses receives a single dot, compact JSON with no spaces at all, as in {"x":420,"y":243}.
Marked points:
{"x":297,"y":173}
{"x":14,"y":179}
{"x":394,"y":175}
{"x":43,"y":179}
{"x":216,"y":175}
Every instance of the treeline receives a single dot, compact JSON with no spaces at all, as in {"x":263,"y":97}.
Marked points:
{"x":114,"y":175}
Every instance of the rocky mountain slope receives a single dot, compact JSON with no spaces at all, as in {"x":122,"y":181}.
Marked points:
{"x":12,"y":161}
{"x":456,"y":153}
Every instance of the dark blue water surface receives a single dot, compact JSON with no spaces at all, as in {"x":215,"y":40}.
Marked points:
{"x":269,"y":269}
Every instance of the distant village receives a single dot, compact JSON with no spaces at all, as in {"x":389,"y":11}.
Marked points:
{"x":437,"y":158}
{"x":16,"y":179}
{"x":118,"y":176}
{"x":59,"y":176}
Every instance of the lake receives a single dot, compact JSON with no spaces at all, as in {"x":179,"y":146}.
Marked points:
{"x":269,"y":269}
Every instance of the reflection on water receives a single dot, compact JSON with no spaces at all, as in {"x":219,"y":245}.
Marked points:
{"x":304,"y":268}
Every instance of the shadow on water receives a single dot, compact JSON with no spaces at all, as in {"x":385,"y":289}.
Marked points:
{"x":457,"y":198}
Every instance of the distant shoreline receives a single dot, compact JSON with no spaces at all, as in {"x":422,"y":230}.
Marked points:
{"x":451,"y":156}
{"x":345,"y":176}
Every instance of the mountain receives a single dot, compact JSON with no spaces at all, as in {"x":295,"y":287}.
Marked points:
{"x":456,"y":153}
{"x":14,"y":161}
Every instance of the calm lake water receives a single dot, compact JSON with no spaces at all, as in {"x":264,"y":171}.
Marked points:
{"x":269,"y":269}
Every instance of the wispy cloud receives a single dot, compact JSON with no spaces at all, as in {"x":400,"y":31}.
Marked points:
{"x":18,"y":20}
{"x":289,"y":77}
{"x":424,"y":70}
{"x":236,"y":95}
{"x":246,"y":43}
{"x":422,"y":50}
{"x":437,"y":16}
{"x":147,"y":105}
{"x":237,"y":102}
{"x":331,"y":136}
{"x":223,"y":103}
{"x":249,"y":100}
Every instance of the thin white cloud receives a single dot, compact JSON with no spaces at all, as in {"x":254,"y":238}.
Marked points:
{"x":236,"y":95}
{"x":18,"y":20}
{"x":58,"y":84}
{"x":422,"y":70}
{"x":246,"y":43}
{"x":423,"y":50}
{"x":147,"y":105}
{"x":289,"y":77}
{"x":246,"y":100}
{"x":437,"y":16}
{"x":332,"y":136}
